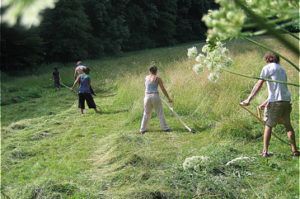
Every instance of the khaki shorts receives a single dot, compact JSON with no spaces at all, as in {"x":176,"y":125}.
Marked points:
{"x":278,"y":113}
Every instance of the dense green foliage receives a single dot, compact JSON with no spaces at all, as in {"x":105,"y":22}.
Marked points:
{"x":49,"y":150}
{"x":20,"y":48}
{"x":65,"y":31}
{"x":81,"y":29}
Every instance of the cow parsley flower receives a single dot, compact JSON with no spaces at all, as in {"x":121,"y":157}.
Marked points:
{"x":199,"y":57}
{"x":227,"y":22}
{"x":214,"y":58}
{"x":213,"y":77}
{"x":198,"y":68}
{"x":192,"y":52}
{"x":28,"y":11}
{"x":242,"y":159}
{"x":195,"y":162}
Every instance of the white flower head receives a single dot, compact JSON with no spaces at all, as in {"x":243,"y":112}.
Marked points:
{"x":195,"y":162}
{"x":205,"y":48}
{"x":239,"y":160}
{"x":29,"y":12}
{"x":213,"y":77}
{"x":198,"y":68}
{"x":214,"y":57}
{"x":192,"y":52}
{"x":200,"y":57}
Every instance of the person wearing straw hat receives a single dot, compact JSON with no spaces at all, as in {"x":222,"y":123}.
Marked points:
{"x":152,"y":100}
{"x":278,"y":105}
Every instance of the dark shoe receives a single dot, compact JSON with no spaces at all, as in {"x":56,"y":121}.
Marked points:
{"x":266,"y":154}
{"x":168,"y":130}
{"x":143,"y":132}
{"x":296,"y":153}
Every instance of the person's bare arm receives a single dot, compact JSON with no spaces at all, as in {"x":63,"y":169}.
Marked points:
{"x":75,"y":73}
{"x":161,"y":85}
{"x":263,"y":105}
{"x":75,"y":82}
{"x":254,"y":91}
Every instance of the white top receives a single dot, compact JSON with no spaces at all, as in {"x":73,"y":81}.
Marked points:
{"x":79,"y":69}
{"x":151,"y":86}
{"x":277,"y":91}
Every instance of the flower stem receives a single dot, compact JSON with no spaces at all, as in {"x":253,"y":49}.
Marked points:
{"x":258,"y":78}
{"x":279,"y":27}
{"x":262,"y":23}
{"x":270,"y":21}
{"x":291,"y":34}
{"x":268,"y":48}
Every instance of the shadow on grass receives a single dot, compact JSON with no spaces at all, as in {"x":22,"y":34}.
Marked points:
{"x":114,"y":111}
{"x":173,"y":130}
{"x":201,"y":128}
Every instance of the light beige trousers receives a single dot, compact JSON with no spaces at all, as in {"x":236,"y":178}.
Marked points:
{"x":153,"y":101}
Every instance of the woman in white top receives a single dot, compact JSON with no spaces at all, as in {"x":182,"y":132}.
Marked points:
{"x":152,"y":100}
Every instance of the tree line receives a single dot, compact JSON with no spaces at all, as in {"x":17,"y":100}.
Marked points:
{"x":85,"y":29}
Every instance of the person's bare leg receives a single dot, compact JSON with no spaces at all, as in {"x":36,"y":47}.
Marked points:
{"x":292,"y":139}
{"x":267,"y":137}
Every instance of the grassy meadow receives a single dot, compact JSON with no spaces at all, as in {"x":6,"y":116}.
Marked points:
{"x":49,"y":150}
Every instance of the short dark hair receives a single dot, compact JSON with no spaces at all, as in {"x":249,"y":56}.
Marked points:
{"x":55,"y":68}
{"x":86,"y":70}
{"x":271,"y":58}
{"x":153,"y":70}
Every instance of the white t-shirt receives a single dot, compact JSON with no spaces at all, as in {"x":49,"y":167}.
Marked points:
{"x":277,"y":91}
{"x":79,"y":69}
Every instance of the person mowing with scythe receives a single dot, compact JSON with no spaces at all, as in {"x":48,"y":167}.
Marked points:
{"x":278,"y":105}
{"x":79,"y":69}
{"x":152,"y":100}
{"x":84,"y":92}
{"x":56,"y":79}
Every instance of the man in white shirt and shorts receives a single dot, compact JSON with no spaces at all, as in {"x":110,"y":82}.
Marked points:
{"x":278,"y":104}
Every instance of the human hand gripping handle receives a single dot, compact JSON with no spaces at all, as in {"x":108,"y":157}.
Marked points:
{"x":75,"y":82}
{"x":254,"y":91}
{"x":245,"y":102}
{"x":263,"y":105}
